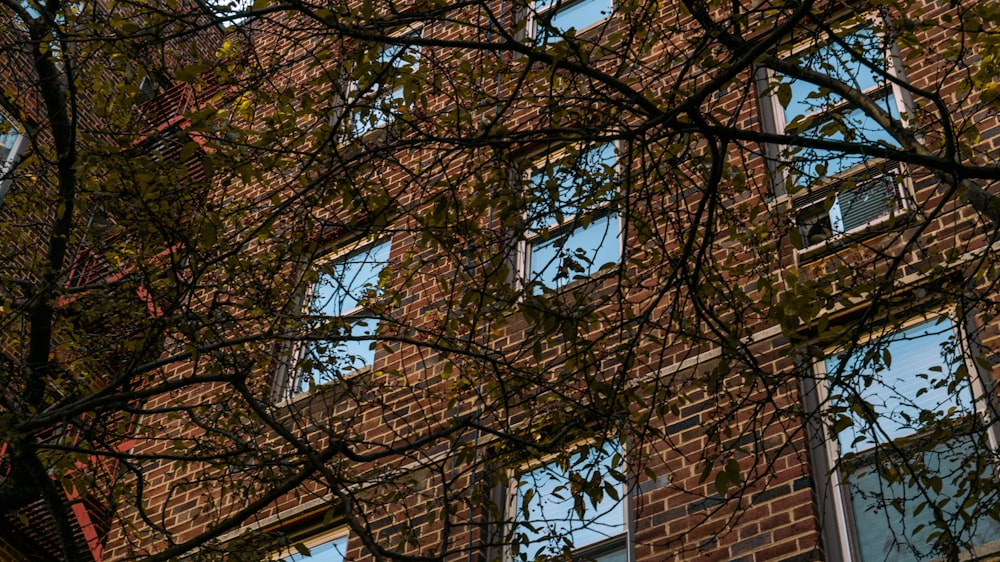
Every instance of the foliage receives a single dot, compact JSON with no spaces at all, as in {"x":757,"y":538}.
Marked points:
{"x":184,"y":188}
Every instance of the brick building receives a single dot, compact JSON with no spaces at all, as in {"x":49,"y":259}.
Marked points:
{"x":587,"y":280}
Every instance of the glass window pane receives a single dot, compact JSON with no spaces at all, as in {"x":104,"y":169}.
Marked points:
{"x":558,"y":16}
{"x":350,"y":281}
{"x":322,"y":361}
{"x":889,"y":390}
{"x":576,"y":254}
{"x":902,"y":376}
{"x":571,"y":185}
{"x":333,"y":551}
{"x":853,"y":126}
{"x":886,"y":534}
{"x":836,"y":62}
{"x":341,"y":292}
{"x":552,"y":509}
{"x":8,"y":137}
{"x":620,"y":554}
{"x":384,"y":92}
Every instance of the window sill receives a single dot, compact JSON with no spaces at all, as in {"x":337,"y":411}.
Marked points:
{"x":595,"y":278}
{"x":840,"y":242}
{"x":982,"y":553}
{"x":589,"y":33}
{"x":322,"y":388}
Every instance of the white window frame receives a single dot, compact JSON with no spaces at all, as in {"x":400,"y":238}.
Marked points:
{"x":535,"y":237}
{"x":291,"y":554}
{"x":839,"y":485}
{"x":14,"y":150}
{"x":376,"y":95}
{"x":547,"y":9}
{"x":810,"y":199}
{"x":295,"y":382}
{"x":596,"y":547}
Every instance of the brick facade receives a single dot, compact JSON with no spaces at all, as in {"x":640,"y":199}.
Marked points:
{"x":700,"y":352}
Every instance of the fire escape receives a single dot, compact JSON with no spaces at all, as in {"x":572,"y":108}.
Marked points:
{"x":31,"y":530}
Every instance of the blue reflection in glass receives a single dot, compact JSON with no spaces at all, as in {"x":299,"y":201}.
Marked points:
{"x":902,"y":384}
{"x":836,"y":62}
{"x":382,"y":98}
{"x":342,"y":292}
{"x":817,"y":113}
{"x":333,"y":551}
{"x":814,"y":163}
{"x":569,"y":206}
{"x":900,"y":390}
{"x":8,"y":138}
{"x":556,"y":17}
{"x":551,"y":510}
{"x":577,"y":253}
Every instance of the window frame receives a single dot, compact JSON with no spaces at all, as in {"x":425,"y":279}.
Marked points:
{"x":835,"y":502}
{"x":295,"y":384}
{"x":535,"y":236}
{"x":622,"y":541}
{"x":555,"y":34}
{"x":816,"y":199}
{"x":291,"y":554}
{"x":376,"y":94}
{"x":14,"y":150}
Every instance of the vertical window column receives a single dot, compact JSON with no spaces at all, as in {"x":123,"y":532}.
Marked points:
{"x":836,"y":192}
{"x":577,"y":507}
{"x":892,"y":473}
{"x":342,"y":329}
{"x":575,"y":228}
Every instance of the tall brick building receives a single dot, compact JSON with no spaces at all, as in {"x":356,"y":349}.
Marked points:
{"x":619,"y":281}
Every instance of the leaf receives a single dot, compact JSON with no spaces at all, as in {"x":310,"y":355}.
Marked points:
{"x":795,"y":237}
{"x":936,"y":484}
{"x":612,"y":491}
{"x":526,"y":500}
{"x":722,"y":482}
{"x":209,"y":233}
{"x":784,"y":92}
{"x":191,"y":72}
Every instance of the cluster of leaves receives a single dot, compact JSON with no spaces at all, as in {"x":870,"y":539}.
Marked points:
{"x":163,"y":229}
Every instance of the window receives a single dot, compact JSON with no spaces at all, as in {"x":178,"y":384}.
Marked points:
{"x":12,"y":143}
{"x":574,"y":229}
{"x":343,"y":327}
{"x":835,"y":193}
{"x":882,"y":398}
{"x":577,"y":505}
{"x":10,"y":140}
{"x":32,"y":11}
{"x":383,"y":93}
{"x":553,"y":18}
{"x":32,"y":8}
{"x":325,"y":548}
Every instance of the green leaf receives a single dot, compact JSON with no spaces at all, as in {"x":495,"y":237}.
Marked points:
{"x":795,"y":237}
{"x":526,"y":500}
{"x":784,"y":93}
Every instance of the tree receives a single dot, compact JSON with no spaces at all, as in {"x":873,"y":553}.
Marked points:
{"x":386,"y":259}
